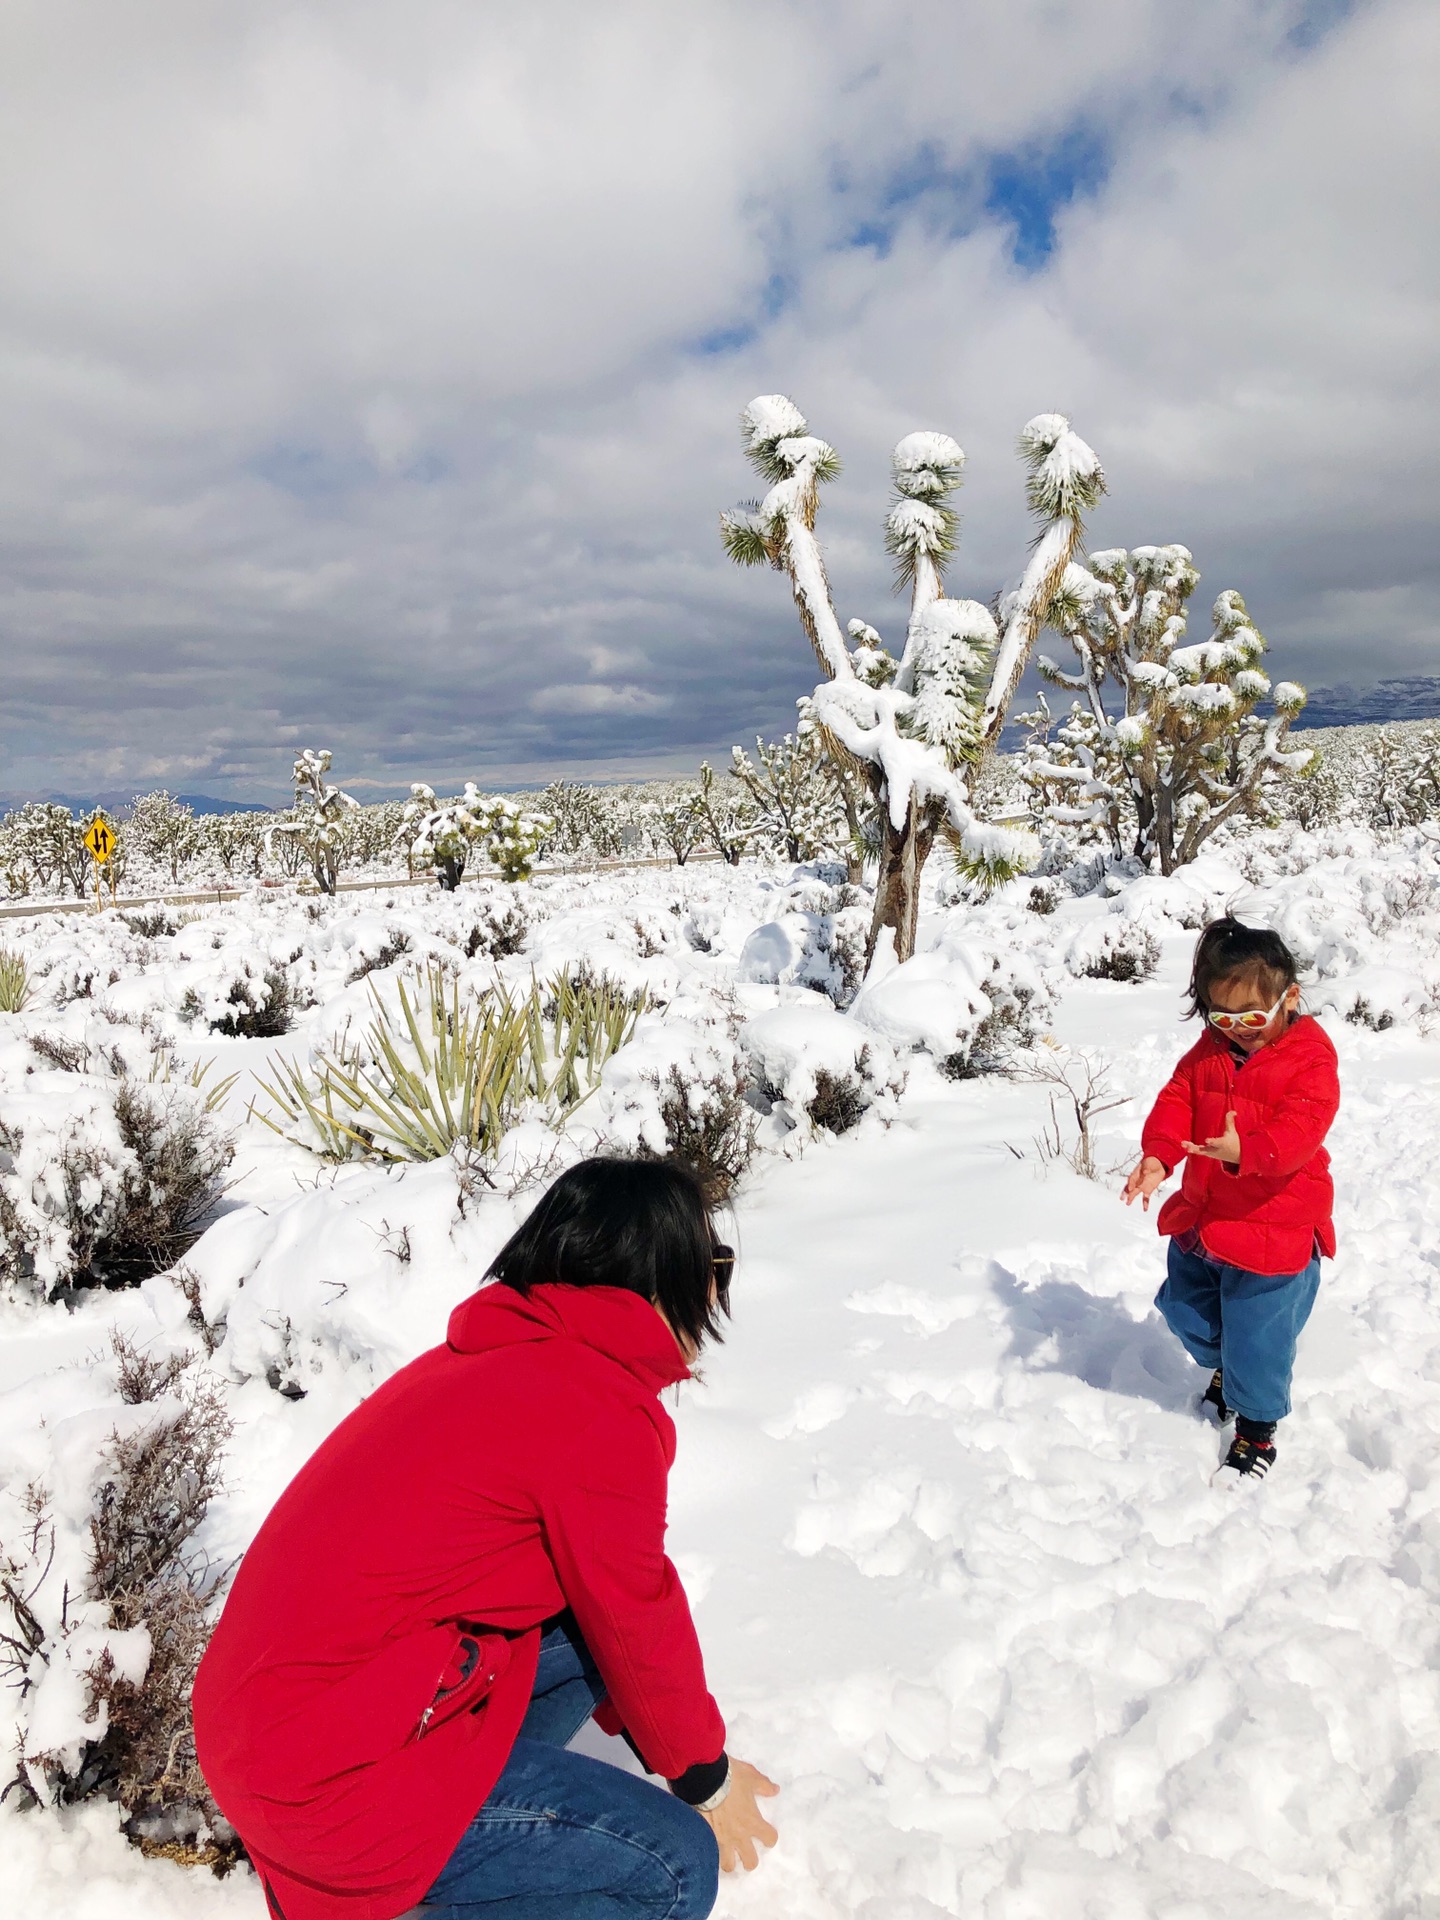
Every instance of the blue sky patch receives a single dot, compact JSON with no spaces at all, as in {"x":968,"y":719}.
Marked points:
{"x":1029,"y":185}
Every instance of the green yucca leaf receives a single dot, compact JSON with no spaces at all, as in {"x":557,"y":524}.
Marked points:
{"x":14,"y":981}
{"x":448,"y":1069}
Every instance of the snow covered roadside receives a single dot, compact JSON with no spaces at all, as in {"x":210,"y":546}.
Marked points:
{"x":941,"y":1501}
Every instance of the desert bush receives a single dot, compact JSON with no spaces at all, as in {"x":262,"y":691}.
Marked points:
{"x":262,"y":1015}
{"x":839,"y":1101}
{"x":155,"y":925}
{"x":710,"y":1126}
{"x":106,"y":1672}
{"x":497,"y":935}
{"x":447,"y":1068}
{"x":1131,"y":960}
{"x":394,"y":947}
{"x":1362,"y":1014}
{"x":1004,"y":1031}
{"x":14,"y":981}
{"x":117,"y":1193}
{"x":1125,"y":953}
{"x":1043,"y":898}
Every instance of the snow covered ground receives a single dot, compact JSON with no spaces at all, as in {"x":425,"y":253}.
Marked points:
{"x":942,"y":1503}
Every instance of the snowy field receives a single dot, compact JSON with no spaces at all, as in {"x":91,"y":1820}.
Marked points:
{"x":942,"y":1503}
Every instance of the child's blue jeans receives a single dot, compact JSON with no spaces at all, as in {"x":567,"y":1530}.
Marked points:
{"x":1245,"y":1323}
{"x":564,"y":1837}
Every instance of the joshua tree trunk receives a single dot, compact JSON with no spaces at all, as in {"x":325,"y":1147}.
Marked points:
{"x":903,"y":853}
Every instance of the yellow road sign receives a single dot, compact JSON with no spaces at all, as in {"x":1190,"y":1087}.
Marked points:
{"x":101,"y":841}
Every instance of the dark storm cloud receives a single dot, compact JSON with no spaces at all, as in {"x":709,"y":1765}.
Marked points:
{"x":370,"y":381}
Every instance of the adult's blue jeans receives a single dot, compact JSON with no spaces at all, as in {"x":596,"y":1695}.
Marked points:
{"x":564,"y":1837}
{"x":1245,"y":1323}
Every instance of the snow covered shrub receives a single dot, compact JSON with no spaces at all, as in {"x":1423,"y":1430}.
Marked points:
{"x":962,"y":1002}
{"x":497,"y":935}
{"x":1043,"y":898}
{"x":839,"y":1103}
{"x":709,"y":1126}
{"x":255,"y":1009}
{"x":395,"y":946}
{"x":109,"y":1602}
{"x":811,"y":1063}
{"x":1362,"y":1014}
{"x":155,"y":925}
{"x":317,"y":828}
{"x":105,"y":1178}
{"x":1111,"y":950}
{"x":443,"y":1068}
{"x":1166,"y":745}
{"x":14,"y":981}
{"x":911,"y":728}
{"x":808,"y":947}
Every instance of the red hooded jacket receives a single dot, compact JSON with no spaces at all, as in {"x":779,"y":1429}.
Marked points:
{"x":374,"y":1660}
{"x":1267,"y":1214}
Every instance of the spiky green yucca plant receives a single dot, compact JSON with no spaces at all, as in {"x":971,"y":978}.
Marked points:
{"x":449,"y":1068}
{"x":14,"y":981}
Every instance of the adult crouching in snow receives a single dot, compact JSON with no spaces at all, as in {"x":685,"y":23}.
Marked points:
{"x":470,"y":1566}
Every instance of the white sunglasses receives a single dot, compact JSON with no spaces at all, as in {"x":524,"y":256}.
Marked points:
{"x":1250,"y":1022}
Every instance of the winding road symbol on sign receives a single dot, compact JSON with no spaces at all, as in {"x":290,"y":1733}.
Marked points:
{"x":100,"y":841}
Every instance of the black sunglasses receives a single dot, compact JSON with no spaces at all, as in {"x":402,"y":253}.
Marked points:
{"x":722,"y":1263}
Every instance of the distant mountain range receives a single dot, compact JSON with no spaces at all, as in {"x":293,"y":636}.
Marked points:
{"x":1415,"y":697}
{"x":116,"y":800}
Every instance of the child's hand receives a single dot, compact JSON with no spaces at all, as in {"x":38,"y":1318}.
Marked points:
{"x":1225,"y":1146}
{"x":1143,"y":1181}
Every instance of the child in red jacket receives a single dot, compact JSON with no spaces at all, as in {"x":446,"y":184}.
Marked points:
{"x":1247,"y":1109}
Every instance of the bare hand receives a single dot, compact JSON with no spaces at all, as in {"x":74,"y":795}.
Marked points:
{"x":1143,"y":1181}
{"x":738,"y":1822}
{"x":1225,"y":1146}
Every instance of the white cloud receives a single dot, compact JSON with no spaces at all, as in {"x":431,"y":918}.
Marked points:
{"x":595,"y":698}
{"x":349,"y":370}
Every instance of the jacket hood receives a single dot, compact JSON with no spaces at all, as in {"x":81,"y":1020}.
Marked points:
{"x":617,"y":1323}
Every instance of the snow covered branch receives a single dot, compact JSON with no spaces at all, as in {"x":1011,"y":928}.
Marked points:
{"x":1065,"y":481}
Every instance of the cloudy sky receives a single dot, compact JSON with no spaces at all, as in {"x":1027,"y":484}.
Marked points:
{"x":369,"y":372}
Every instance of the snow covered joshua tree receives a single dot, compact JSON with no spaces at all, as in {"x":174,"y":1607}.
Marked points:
{"x":319,"y":823}
{"x":912,"y":727}
{"x":1165,"y":744}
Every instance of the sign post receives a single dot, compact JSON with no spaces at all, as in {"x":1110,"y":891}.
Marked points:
{"x":100,"y":841}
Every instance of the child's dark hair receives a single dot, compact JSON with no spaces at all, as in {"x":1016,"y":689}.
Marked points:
{"x":1229,"y":950}
{"x":638,"y":1224}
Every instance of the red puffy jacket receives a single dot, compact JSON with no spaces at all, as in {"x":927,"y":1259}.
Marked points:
{"x":1266,"y":1214}
{"x":374,"y":1660}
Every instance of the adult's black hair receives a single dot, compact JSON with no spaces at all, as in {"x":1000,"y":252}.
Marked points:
{"x":1229,"y":950}
{"x":638,"y":1224}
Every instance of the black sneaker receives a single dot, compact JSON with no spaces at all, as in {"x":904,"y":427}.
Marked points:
{"x":1252,"y":1451}
{"x":1214,"y":1396}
